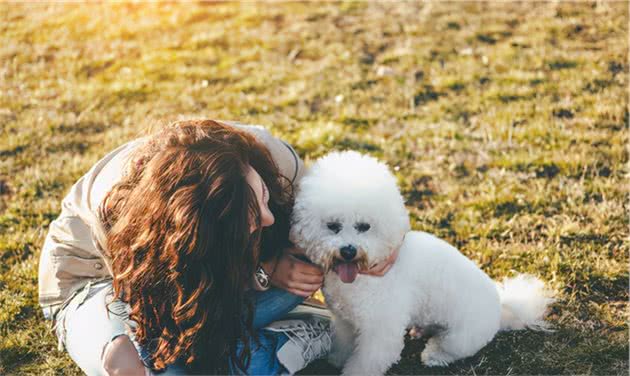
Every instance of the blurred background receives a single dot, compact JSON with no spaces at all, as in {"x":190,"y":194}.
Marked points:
{"x":506,"y":124}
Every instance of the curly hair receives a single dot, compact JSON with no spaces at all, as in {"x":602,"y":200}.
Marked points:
{"x":180,"y":243}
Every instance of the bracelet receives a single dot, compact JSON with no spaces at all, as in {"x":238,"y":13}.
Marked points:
{"x":263,"y":280}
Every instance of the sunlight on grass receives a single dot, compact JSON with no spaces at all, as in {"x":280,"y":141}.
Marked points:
{"x":505,"y":123}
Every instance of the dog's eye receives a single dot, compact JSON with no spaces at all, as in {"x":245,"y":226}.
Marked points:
{"x":334,"y":227}
{"x":362,"y":226}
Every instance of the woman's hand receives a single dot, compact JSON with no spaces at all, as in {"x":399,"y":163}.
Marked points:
{"x":382,"y":267}
{"x":294,"y":275}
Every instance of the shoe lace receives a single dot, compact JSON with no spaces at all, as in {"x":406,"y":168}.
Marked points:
{"x":313,"y":337}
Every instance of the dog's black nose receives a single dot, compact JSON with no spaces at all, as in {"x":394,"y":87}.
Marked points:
{"x":348,"y":252}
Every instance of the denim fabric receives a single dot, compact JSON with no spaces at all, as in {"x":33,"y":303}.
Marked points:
{"x":91,"y":320}
{"x":85,"y":325}
{"x":270,"y":306}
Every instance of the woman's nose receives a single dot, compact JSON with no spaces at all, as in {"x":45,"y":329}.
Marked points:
{"x":267,"y":219}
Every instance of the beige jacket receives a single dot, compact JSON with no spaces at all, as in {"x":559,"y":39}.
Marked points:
{"x":73,"y":253}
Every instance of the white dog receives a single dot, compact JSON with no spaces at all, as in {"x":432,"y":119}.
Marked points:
{"x":349,"y":215}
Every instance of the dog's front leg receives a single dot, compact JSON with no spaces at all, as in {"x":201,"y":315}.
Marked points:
{"x":343,"y":341}
{"x":378,"y":346}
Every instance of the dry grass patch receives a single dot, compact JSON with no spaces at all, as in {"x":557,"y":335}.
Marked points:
{"x":507,"y":124}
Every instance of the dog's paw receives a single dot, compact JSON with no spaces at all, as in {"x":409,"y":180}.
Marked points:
{"x":358,"y":371}
{"x":432,"y":357}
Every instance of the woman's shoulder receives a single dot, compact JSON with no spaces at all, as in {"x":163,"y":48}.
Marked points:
{"x":289,"y":162}
{"x":86,"y":193}
{"x":109,"y":170}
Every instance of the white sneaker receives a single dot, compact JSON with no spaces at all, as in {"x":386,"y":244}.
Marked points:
{"x":307,"y":310}
{"x":309,"y":338}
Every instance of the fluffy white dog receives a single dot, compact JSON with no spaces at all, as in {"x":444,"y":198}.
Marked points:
{"x":349,"y":215}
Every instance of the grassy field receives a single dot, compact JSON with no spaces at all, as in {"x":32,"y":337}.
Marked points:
{"x":507,"y":124}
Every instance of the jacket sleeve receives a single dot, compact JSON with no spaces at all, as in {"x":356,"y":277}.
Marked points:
{"x":72,"y":254}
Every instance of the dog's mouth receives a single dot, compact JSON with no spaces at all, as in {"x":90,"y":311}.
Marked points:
{"x":347,"y":271}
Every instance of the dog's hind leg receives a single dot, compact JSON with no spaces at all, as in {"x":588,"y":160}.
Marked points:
{"x":434,"y":355}
{"x":343,"y":342}
{"x":443,"y":349}
{"x":378,"y":346}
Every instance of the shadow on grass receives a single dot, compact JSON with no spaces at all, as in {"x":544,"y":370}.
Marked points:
{"x":564,"y":351}
{"x":13,"y":356}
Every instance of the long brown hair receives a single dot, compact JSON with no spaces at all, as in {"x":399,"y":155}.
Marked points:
{"x":180,"y":242}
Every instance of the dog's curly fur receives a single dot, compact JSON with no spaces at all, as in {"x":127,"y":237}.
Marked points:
{"x":348,"y":199}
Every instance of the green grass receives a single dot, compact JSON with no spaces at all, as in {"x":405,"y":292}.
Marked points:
{"x":506,"y":123}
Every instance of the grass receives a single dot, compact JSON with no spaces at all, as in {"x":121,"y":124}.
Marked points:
{"x":507,"y":124}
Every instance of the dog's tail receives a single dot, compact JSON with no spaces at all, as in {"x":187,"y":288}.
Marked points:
{"x":524,"y":301}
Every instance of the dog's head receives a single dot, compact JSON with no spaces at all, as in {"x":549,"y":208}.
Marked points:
{"x":348,"y":213}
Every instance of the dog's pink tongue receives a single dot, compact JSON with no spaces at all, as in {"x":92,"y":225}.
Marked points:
{"x":347,"y":271}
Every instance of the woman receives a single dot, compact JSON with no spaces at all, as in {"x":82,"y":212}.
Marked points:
{"x":161,"y":256}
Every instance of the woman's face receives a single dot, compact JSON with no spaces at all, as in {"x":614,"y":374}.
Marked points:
{"x":262,"y":196}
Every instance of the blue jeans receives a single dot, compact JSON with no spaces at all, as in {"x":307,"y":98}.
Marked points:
{"x":270,"y":306}
{"x":87,"y":313}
